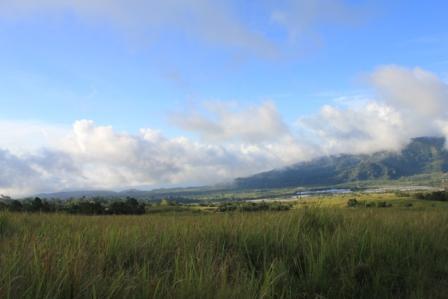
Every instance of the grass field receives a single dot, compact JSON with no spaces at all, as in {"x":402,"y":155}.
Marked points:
{"x":319,"y":249}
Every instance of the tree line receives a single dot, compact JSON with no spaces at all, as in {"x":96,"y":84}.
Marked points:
{"x":98,"y":206}
{"x":436,"y":196}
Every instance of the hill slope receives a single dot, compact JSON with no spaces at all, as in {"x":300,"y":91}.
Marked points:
{"x":422,"y":155}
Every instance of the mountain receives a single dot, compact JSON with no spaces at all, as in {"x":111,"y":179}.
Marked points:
{"x":423,"y":155}
{"x":178,"y":194}
{"x":79,"y":194}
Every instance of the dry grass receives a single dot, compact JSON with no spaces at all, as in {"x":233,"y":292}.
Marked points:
{"x":304,"y":253}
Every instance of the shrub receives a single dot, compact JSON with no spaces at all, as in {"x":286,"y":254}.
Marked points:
{"x":420,"y":195}
{"x":166,"y":203}
{"x":227,"y":208}
{"x":128,"y":207}
{"x":86,"y":208}
{"x":402,"y":194}
{"x":351,"y":203}
{"x":4,"y":224}
{"x":3,"y":206}
{"x":253,"y":207}
{"x":436,"y":196}
{"x":383,"y":204}
{"x":36,"y":205}
{"x":280,"y":207}
{"x":16,"y":206}
{"x":370,"y":204}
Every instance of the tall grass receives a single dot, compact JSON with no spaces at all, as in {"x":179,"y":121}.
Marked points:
{"x":306,"y":253}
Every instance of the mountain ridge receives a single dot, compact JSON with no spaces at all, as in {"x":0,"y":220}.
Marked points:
{"x":423,"y":155}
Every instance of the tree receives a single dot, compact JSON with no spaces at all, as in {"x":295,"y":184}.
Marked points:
{"x":16,"y":206}
{"x":128,"y":207}
{"x":36,"y":205}
{"x":86,"y":208}
{"x":351,"y":203}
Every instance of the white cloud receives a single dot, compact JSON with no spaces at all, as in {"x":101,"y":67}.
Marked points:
{"x":92,"y":156}
{"x":301,"y":18}
{"x":410,"y":103}
{"x":42,"y":170}
{"x":214,"y":21}
{"x":22,"y":136}
{"x":360,"y":129}
{"x":414,"y":90}
{"x":222,"y":122}
{"x":209,"y":20}
{"x":420,"y":96}
{"x":120,"y":159}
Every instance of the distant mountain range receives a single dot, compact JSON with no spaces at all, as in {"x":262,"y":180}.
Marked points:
{"x":423,"y":155}
{"x":179,"y":194}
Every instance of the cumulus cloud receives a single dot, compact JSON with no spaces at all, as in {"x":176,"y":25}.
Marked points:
{"x":40,"y":171}
{"x":21,"y":136}
{"x":93,"y":156}
{"x":149,"y":158}
{"x":410,"y":102}
{"x":414,"y":91}
{"x":15,"y":172}
{"x":359,"y":129}
{"x":222,"y":122}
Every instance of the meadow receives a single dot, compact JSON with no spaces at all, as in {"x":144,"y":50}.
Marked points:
{"x":319,"y":249}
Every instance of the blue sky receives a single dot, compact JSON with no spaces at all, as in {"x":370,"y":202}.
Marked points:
{"x":144,"y":64}
{"x":59,"y":67}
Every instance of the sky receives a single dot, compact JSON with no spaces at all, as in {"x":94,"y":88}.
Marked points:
{"x":144,"y":94}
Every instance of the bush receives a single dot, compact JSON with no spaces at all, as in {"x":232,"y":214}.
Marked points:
{"x":166,"y":203}
{"x":351,"y":203}
{"x":86,"y":208}
{"x":226,"y":208}
{"x":4,"y":225}
{"x":279,"y":207}
{"x":402,"y":194}
{"x":36,"y":205}
{"x":253,"y":207}
{"x":436,"y":196}
{"x":370,"y":205}
{"x":383,"y":204}
{"x":16,"y":206}
{"x":3,"y":206}
{"x":128,"y":207}
{"x":420,"y":195}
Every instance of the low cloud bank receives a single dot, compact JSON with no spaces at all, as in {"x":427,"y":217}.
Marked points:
{"x":93,"y":156}
{"x":233,"y":140}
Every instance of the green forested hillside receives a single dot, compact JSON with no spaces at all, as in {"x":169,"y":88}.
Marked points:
{"x":424,"y":155}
